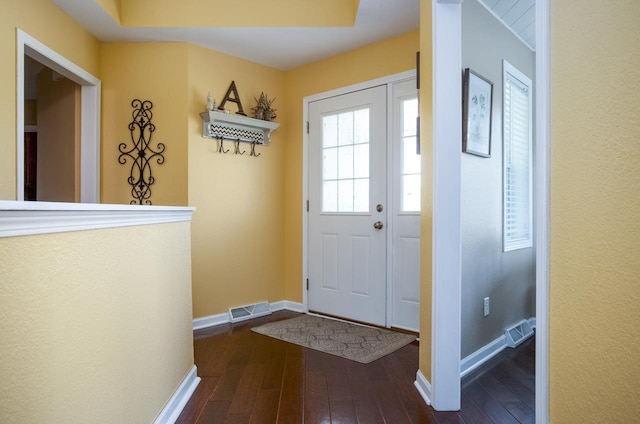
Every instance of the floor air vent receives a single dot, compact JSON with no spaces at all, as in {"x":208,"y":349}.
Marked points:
{"x":250,"y":311}
{"x":518,"y":333}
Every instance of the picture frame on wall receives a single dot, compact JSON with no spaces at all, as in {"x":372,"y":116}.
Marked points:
{"x":477,"y":106}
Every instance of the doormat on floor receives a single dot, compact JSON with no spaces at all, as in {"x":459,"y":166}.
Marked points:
{"x":351,"y":341}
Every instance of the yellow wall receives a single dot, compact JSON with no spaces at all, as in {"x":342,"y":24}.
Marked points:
{"x":243,"y":215}
{"x":238,"y":226}
{"x":595,"y":232}
{"x":145,"y":71}
{"x":377,"y":60}
{"x":112,"y":7}
{"x":426,"y":216}
{"x":248,"y":13}
{"x":96,"y":325}
{"x":47,"y":23}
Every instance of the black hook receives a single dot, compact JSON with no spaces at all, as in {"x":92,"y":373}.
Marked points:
{"x":221,"y":146}
{"x":253,"y":150}
{"x":238,"y":152}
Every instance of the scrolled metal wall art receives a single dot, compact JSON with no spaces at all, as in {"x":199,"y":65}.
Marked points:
{"x":141,"y":153}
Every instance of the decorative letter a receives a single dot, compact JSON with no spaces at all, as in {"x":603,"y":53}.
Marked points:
{"x":235,"y":99}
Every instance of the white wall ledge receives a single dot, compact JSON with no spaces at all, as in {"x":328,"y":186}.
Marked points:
{"x":31,"y":218}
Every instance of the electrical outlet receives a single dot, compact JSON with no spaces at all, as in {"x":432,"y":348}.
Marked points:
{"x":486,"y":306}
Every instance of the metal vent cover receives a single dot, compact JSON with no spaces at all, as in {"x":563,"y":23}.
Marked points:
{"x":255,"y":310}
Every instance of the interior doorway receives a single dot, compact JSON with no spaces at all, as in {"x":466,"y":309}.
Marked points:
{"x":52,"y":135}
{"x":87,"y":153}
{"x":443,"y":392}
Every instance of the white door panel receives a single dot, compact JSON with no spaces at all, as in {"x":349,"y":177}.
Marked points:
{"x":405,"y":215}
{"x":347,"y":174}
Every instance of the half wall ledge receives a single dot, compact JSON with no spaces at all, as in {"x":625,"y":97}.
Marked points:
{"x":19,"y":218}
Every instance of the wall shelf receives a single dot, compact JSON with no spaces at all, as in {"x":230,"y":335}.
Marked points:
{"x":219,"y":125}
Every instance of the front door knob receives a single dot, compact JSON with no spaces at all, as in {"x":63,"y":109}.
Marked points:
{"x":378,"y":225}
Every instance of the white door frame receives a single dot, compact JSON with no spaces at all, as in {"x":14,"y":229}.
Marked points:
{"x":445,"y":371}
{"x":447,"y":177}
{"x":305,"y":166}
{"x":541,"y":210}
{"x":90,"y":114}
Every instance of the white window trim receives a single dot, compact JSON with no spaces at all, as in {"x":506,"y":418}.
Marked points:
{"x":508,"y":245}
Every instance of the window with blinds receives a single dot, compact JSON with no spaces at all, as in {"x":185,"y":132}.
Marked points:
{"x":517,"y":157}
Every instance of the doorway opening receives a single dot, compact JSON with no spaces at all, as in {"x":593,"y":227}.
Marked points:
{"x":443,"y":392}
{"x":88,"y":121}
{"x":52,"y":135}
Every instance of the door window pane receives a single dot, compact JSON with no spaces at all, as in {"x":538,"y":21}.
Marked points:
{"x":409,"y":115}
{"x":361,"y":126}
{"x":330,"y":164}
{"x":410,"y":166}
{"x":361,"y":161}
{"x":410,"y":159}
{"x":345,"y":128}
{"x":345,"y":161}
{"x":361,"y":194}
{"x":345,"y":195}
{"x":330,"y":131}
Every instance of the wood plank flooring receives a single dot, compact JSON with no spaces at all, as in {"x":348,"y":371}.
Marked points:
{"x":251,"y":378}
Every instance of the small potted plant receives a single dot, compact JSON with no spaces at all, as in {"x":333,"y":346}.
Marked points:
{"x":263,"y":109}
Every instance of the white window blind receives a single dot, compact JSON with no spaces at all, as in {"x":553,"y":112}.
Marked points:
{"x":517,"y":134}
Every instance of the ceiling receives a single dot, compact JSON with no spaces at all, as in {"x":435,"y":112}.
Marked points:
{"x":280,"y":48}
{"x":286,"y":48}
{"x":517,"y":15}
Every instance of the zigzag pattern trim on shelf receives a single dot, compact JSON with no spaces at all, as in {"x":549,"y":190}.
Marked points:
{"x":218,"y":131}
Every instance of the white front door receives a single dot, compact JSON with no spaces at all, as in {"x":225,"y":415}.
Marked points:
{"x":364,"y":206}
{"x":347,"y":182}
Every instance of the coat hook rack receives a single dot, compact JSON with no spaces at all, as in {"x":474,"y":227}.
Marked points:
{"x":237,"y":129}
{"x":141,"y":153}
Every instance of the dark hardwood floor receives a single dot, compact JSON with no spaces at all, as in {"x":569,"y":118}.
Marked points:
{"x":251,"y":378}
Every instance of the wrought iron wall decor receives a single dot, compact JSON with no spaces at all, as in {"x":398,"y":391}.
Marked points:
{"x":141,"y":153}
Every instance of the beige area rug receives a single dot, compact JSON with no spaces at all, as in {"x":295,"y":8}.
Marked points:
{"x":352,"y":341}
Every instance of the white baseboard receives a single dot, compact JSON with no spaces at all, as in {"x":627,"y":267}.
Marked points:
{"x":423,"y":386}
{"x":223,"y":318}
{"x":485,"y":353}
{"x":211,"y":320}
{"x":482,"y":355}
{"x":287,"y":305}
{"x":174,"y":407}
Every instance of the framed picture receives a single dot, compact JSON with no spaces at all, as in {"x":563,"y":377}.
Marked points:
{"x":477,"y":100}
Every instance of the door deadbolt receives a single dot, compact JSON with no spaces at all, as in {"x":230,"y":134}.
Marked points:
{"x":379,"y":207}
{"x":378,"y":225}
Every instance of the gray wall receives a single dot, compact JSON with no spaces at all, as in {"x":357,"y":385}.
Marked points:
{"x":508,"y":278}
